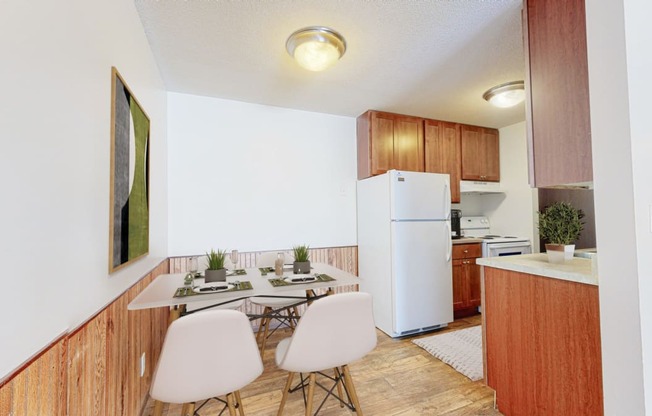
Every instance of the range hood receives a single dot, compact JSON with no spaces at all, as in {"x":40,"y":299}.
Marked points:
{"x":479,"y":187}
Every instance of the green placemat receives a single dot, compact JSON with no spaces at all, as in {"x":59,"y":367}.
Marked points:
{"x":238,"y":272}
{"x":182,"y":292}
{"x":265,"y":270}
{"x":281,"y":282}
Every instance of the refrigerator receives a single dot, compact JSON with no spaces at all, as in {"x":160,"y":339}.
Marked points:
{"x":405,"y":250}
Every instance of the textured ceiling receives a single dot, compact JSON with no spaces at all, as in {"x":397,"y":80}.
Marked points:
{"x":428,"y":58}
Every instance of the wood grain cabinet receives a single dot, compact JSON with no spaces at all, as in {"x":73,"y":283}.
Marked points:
{"x":389,"y":141}
{"x":480,"y":149}
{"x":557,"y":107}
{"x":443,"y":152}
{"x":466,"y":279}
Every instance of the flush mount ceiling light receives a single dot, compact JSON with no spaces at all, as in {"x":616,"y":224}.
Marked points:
{"x":506,"y":95}
{"x":316,"y":48}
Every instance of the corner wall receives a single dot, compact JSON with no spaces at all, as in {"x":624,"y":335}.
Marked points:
{"x":55,"y":131}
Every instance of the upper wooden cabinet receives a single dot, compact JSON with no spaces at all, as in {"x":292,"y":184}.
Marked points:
{"x":480,"y":154}
{"x":557,"y":107}
{"x":443,"y":153}
{"x":389,"y":141}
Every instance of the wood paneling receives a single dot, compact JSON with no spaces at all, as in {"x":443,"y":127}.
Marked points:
{"x":543,"y":353}
{"x":93,"y":370}
{"x":443,"y":152}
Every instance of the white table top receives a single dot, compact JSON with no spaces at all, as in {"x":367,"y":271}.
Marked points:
{"x":160,"y":293}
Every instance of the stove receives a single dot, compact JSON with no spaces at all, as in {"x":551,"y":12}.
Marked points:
{"x":494,"y":245}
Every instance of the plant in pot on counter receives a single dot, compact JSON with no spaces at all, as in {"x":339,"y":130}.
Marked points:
{"x":560,"y":224}
{"x":301,"y":260}
{"x":215,"y":272}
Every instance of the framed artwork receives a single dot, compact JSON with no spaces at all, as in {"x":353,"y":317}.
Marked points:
{"x":129,"y":217}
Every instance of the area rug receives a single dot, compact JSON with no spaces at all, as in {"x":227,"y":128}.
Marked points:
{"x":460,"y":349}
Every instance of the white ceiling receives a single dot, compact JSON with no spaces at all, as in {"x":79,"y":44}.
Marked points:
{"x":428,"y":58}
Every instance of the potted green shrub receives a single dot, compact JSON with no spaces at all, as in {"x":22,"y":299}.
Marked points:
{"x":560,"y":224}
{"x":301,"y":259}
{"x":215,"y":272}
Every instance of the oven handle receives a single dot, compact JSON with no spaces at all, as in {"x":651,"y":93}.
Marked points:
{"x":510,"y":245}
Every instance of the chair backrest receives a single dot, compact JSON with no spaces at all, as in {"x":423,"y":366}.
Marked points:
{"x":206,"y":355}
{"x":334,"y":331}
{"x":268,"y":259}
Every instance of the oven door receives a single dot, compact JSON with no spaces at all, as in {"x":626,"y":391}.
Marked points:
{"x":507,"y":249}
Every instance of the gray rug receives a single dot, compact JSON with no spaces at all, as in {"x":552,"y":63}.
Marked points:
{"x":460,"y":349}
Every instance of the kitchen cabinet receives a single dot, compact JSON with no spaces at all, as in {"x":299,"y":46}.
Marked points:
{"x":466,"y":279}
{"x":389,"y":141}
{"x":556,"y":84}
{"x":443,"y":152}
{"x":480,"y":149}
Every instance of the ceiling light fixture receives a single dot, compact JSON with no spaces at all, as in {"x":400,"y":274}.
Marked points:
{"x":506,"y":95}
{"x":316,"y":48}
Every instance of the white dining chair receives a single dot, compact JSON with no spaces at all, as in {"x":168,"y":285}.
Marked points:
{"x":333,"y":332}
{"x":206,"y":355}
{"x":287,"y":306}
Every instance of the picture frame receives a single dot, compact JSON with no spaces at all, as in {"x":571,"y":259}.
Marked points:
{"x":129,"y":177}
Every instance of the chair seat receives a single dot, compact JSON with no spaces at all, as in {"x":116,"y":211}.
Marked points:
{"x":198,"y":305}
{"x":281,"y":349}
{"x":275,"y":303}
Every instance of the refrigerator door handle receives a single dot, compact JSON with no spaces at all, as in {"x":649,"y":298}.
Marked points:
{"x":447,"y":201}
{"x":449,"y":248}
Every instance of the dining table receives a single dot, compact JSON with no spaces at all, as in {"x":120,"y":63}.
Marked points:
{"x":169,"y":290}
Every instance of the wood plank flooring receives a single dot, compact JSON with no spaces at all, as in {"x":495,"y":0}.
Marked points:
{"x":397,"y":378}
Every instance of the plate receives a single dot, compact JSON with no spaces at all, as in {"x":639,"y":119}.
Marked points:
{"x":213,"y":287}
{"x":295,"y":280}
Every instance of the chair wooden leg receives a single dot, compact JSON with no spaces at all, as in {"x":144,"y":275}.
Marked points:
{"x":238,"y":401}
{"x":292,"y":312}
{"x":158,"y":408}
{"x":188,"y":409}
{"x":229,"y":403}
{"x":268,"y":322}
{"x":339,"y":385}
{"x":296,"y":315}
{"x":311,"y":393}
{"x":349,"y":385}
{"x":286,"y":391}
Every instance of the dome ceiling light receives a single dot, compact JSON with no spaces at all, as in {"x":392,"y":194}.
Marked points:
{"x":316,"y":48}
{"x":506,"y":95}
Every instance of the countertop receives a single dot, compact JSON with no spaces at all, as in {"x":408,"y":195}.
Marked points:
{"x":467,"y":240}
{"x":580,"y":270}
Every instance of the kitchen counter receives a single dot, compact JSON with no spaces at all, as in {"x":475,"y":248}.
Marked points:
{"x":467,"y":240}
{"x":579,"y":270}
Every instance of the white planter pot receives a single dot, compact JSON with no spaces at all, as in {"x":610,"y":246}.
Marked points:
{"x":560,"y":253}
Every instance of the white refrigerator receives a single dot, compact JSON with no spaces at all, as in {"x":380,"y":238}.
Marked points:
{"x":405,"y":250}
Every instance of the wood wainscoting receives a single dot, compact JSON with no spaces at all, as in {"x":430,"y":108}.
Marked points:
{"x":94,"y":370}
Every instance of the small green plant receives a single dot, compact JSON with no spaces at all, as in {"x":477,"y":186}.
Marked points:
{"x":301,"y":253}
{"x":561,"y":223}
{"x":216,"y":259}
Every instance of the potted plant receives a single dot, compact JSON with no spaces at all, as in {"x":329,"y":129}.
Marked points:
{"x":560,"y":224}
{"x":301,"y":260}
{"x":215,"y":272}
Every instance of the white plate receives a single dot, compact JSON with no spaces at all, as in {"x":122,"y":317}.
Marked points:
{"x":311,"y":279}
{"x":209,"y":287}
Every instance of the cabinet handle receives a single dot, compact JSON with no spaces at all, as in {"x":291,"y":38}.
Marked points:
{"x":466,"y":251}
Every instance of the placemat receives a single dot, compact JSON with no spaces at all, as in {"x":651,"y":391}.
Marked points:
{"x":182,"y":292}
{"x":265,"y":270}
{"x":238,"y":272}
{"x":319,"y":278}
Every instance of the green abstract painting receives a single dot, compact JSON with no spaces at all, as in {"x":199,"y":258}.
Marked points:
{"x":129,"y":220}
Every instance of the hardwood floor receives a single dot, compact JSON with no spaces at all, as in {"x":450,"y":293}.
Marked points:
{"x":397,"y":378}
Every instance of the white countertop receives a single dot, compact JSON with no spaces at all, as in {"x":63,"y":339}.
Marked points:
{"x":580,"y":270}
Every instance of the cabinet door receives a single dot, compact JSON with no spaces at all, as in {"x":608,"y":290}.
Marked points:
{"x":480,"y":154}
{"x":474,"y":289}
{"x":558,"y":114}
{"x":442,"y":152}
{"x":382,"y":143}
{"x":408,"y":143}
{"x":459,"y":291}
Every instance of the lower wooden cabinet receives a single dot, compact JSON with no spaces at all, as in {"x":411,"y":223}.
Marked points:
{"x":466,"y":278}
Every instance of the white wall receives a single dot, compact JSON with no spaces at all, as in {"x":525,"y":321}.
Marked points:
{"x":511,"y":213}
{"x":54,"y":163}
{"x":618,"y":34}
{"x":253,"y":177}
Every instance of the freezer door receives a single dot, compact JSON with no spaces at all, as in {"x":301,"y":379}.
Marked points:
{"x":419,"y":196}
{"x":422,"y":275}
